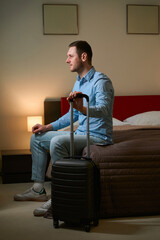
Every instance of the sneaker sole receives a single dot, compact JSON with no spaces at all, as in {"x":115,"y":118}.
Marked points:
{"x":38,"y":214}
{"x":44,"y":199}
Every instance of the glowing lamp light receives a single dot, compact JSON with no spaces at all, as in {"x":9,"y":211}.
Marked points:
{"x":32,"y":120}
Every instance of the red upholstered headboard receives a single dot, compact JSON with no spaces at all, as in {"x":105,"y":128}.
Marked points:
{"x":126,"y":106}
{"x":64,"y":106}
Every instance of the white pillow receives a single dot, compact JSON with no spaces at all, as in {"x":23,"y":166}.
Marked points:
{"x":146,"y":118}
{"x":117,"y":122}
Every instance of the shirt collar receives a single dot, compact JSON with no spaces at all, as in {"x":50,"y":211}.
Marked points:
{"x":88,"y":76}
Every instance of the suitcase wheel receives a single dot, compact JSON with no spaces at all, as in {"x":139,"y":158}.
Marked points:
{"x":56,"y":223}
{"x":87,"y":227}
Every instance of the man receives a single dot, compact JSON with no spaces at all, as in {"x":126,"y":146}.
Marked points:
{"x":46,"y":137}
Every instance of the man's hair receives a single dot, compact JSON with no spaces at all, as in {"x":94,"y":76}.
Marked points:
{"x":83,"y":46}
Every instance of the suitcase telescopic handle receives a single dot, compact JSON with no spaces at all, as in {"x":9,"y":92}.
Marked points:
{"x":82,"y":95}
{"x":79,"y":95}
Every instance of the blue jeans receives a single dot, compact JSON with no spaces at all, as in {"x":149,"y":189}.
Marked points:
{"x":58,"y":144}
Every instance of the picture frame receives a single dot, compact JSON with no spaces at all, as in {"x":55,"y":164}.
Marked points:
{"x":60,"y":19}
{"x":142,"y":19}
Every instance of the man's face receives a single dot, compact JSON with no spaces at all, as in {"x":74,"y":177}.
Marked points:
{"x":74,"y":61}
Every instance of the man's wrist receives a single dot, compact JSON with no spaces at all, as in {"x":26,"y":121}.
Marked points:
{"x":49,"y":127}
{"x":84,"y":111}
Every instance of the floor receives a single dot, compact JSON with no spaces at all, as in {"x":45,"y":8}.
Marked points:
{"x":17,"y":222}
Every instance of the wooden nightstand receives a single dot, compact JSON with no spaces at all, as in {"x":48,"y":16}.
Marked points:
{"x":16,"y":166}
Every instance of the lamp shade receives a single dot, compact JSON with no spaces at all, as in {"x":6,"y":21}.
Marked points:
{"x":32,"y":120}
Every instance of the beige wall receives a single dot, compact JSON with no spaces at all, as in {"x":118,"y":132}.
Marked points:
{"x":32,"y":65}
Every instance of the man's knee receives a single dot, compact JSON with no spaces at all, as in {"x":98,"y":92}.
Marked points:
{"x":32,"y":140}
{"x":59,"y":143}
{"x":59,"y":140}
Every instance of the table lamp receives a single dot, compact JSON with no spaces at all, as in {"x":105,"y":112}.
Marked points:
{"x":32,"y":120}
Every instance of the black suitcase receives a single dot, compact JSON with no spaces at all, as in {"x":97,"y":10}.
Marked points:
{"x":75,"y":186}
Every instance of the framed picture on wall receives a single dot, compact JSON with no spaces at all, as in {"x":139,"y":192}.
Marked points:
{"x":142,"y":19}
{"x":60,"y":19}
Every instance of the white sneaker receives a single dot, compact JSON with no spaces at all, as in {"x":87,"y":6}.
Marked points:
{"x":32,"y":195}
{"x":43,"y":209}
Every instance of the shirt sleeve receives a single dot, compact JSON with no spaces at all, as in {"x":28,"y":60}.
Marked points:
{"x":104,"y":93}
{"x":64,"y":121}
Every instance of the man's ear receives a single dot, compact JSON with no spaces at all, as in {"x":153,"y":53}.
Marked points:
{"x":84,"y":57}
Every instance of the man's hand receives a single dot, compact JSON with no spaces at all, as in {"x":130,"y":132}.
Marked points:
{"x":77,"y":102}
{"x":38,"y":128}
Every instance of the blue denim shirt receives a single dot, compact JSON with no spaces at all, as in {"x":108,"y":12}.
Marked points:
{"x":101,"y":96}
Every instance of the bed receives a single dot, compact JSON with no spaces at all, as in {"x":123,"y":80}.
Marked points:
{"x":130,"y":168}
